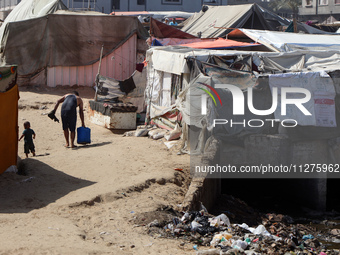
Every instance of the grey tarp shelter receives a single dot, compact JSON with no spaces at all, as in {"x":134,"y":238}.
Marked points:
{"x":30,"y":9}
{"x":65,"y":39}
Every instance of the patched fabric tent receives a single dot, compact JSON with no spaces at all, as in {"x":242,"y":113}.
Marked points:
{"x":72,"y":42}
{"x":30,"y":9}
{"x":217,"y":21}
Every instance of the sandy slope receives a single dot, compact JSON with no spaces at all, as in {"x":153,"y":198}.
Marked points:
{"x":84,"y":201}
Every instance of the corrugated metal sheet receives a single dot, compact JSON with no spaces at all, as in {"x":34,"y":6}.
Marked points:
{"x":120,"y":65}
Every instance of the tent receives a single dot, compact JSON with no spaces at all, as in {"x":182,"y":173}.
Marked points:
{"x":63,"y":48}
{"x":280,"y":41}
{"x":30,"y":9}
{"x":217,"y":21}
{"x":175,"y":74}
{"x":9,"y":96}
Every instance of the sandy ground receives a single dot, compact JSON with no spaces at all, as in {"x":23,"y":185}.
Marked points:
{"x":84,"y":201}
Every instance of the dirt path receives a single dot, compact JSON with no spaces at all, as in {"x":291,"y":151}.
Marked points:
{"x":84,"y":201}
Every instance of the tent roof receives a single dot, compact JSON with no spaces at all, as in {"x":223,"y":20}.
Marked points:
{"x":137,"y":13}
{"x":217,"y":21}
{"x":65,"y":40}
{"x":220,"y":43}
{"x":89,"y":13}
{"x":161,"y":30}
{"x":172,"y":59}
{"x":284,"y":42}
{"x":30,"y":9}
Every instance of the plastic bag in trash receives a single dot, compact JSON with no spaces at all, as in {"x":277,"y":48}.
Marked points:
{"x":220,"y":220}
{"x":221,"y":237}
{"x":240,"y":244}
{"x":195,"y":225}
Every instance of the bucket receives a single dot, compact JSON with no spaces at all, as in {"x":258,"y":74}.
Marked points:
{"x":83,"y":135}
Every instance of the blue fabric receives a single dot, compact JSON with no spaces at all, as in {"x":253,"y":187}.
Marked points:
{"x":155,"y":42}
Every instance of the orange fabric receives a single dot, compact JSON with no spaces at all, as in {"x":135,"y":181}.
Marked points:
{"x":9,"y":128}
{"x":220,"y":43}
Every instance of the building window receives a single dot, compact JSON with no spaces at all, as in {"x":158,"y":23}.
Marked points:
{"x":141,"y":2}
{"x":309,"y":2}
{"x":179,"y":2}
{"x":115,"y":4}
{"x":337,"y":1}
{"x":209,"y":1}
{"x":323,"y":2}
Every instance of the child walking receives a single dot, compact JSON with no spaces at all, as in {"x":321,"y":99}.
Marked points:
{"x":28,"y":134}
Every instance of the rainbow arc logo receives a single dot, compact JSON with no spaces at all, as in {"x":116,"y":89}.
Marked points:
{"x":204,"y":97}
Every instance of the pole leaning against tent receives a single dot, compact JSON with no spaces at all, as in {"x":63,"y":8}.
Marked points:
{"x":97,"y":76}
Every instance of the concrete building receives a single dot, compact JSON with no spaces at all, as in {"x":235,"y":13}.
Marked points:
{"x":6,"y":6}
{"x":319,"y":9}
{"x":141,"y":5}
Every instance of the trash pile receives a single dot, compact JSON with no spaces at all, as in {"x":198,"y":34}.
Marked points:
{"x":276,"y":235}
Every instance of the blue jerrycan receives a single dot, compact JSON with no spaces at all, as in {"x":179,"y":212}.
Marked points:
{"x":83,"y":135}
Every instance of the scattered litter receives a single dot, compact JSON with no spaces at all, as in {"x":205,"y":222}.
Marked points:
{"x":274,"y":236}
{"x":306,"y":237}
{"x":178,"y":169}
{"x":260,"y":230}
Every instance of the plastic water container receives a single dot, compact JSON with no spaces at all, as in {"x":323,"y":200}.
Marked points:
{"x":83,"y":135}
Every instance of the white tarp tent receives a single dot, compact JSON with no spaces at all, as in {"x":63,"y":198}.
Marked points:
{"x":285,"y":42}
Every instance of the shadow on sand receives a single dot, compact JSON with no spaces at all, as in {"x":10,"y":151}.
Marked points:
{"x":40,"y":186}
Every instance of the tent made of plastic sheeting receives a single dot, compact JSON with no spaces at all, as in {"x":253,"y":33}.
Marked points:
{"x":30,"y":9}
{"x":172,"y":59}
{"x":217,"y":21}
{"x":285,"y":42}
{"x":8,"y":118}
{"x":219,"y":43}
{"x":71,"y":40}
{"x":218,"y":67}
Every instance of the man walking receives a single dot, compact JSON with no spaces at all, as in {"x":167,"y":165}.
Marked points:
{"x":69,"y":115}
